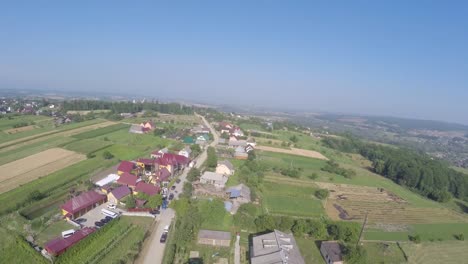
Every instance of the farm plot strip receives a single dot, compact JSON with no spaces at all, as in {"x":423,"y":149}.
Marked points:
{"x":21,"y":171}
{"x":294,"y":151}
{"x":12,"y":145}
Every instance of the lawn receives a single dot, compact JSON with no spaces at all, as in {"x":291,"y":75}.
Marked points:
{"x":287,"y":205}
{"x":309,"y":250}
{"x":52,"y":231}
{"x":388,"y":253}
{"x":436,"y":252}
{"x":101,"y":131}
{"x":427,"y":232}
{"x":86,"y":146}
{"x":14,"y":249}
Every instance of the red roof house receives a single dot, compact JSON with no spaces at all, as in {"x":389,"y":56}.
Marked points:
{"x":163,"y":175}
{"x":118,"y":194}
{"x":125,"y":166}
{"x":57,"y":246}
{"x":128,"y":179}
{"x":81,"y":204}
{"x":147,"y":188}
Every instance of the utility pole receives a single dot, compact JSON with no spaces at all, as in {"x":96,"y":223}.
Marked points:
{"x":362,"y":229}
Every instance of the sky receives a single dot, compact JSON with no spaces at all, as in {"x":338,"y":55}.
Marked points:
{"x":397,"y":58}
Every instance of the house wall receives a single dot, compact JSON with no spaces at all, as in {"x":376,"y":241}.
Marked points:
{"x":214,"y":242}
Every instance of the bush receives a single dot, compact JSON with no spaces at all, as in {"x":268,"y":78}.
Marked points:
{"x":107,"y":155}
{"x":322,"y":194}
{"x":416,"y":238}
{"x":313,"y":176}
{"x":460,"y":237}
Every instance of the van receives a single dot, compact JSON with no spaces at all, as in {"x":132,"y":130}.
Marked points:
{"x":166,"y":229}
{"x":68,"y":233}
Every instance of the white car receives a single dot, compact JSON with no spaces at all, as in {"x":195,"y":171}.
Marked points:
{"x":111,"y":206}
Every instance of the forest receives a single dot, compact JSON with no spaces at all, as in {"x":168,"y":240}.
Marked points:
{"x":419,"y":172}
{"x":126,"y":107}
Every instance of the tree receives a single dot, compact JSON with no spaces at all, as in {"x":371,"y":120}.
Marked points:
{"x":313,"y":176}
{"x":460,"y":237}
{"x":265,"y":222}
{"x":154,"y":201}
{"x":353,"y":254}
{"x":317,"y":229}
{"x":35,"y":196}
{"x":130,"y":202}
{"x":294,"y":139}
{"x":322,"y":194}
{"x":225,"y":135}
{"x":285,"y":223}
{"x":300,"y":227}
{"x":414,"y":238}
{"x":212,"y":159}
{"x":196,"y":150}
{"x":251,"y":155}
{"x":193,"y":174}
{"x":107,"y":155}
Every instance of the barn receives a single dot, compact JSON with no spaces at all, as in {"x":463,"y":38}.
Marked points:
{"x":81,"y":204}
{"x":214,"y":238}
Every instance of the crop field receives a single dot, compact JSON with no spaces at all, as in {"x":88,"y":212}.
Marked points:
{"x":427,"y":232}
{"x":348,"y":202}
{"x":387,"y":253}
{"x":14,"y":249}
{"x":21,"y":171}
{"x":19,"y":129}
{"x":291,"y":200}
{"x":85,"y":112}
{"x":295,"y":151}
{"x":86,"y":146}
{"x":101,"y":131}
{"x":436,"y":252}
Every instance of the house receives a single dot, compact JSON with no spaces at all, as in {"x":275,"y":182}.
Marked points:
{"x":188,"y":140}
{"x":222,"y":141}
{"x":240,"y":153}
{"x":147,"y":126}
{"x":81,"y":204}
{"x":236,"y":131}
{"x":200,"y":129}
{"x":202,"y":139}
{"x":239,"y":192}
{"x":185,"y":152}
{"x":59,"y":245}
{"x":248,"y":148}
{"x":147,"y":188}
{"x":136,"y":129}
{"x":225,"y":167}
{"x":146,"y":164}
{"x":173,"y":162}
{"x":125,"y":167}
{"x":107,"y":180}
{"x":119,"y":193}
{"x":275,"y":247}
{"x":216,"y":179}
{"x":251,"y":142}
{"x":331,"y":252}
{"x":128,"y":179}
{"x":159,"y":153}
{"x":162,"y":176}
{"x":237,"y":143}
{"x":214,"y":238}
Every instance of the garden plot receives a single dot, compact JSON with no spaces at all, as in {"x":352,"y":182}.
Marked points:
{"x":24,"y":170}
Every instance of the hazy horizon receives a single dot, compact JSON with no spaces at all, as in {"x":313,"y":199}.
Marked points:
{"x":391,"y":59}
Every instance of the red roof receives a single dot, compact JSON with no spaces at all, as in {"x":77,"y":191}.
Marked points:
{"x":146,"y":161}
{"x":164,"y":174}
{"x":127,"y":179}
{"x":59,"y":245}
{"x":121,"y":192}
{"x":173,"y":159}
{"x":126,"y":166}
{"x":82,"y":201}
{"x":147,"y":188}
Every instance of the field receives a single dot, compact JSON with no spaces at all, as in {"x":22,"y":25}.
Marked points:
{"x":295,"y":151}
{"x":309,"y":250}
{"x":21,"y":171}
{"x":436,"y":252}
{"x":19,"y":129}
{"x":427,"y":232}
{"x":388,"y":253}
{"x":14,"y":249}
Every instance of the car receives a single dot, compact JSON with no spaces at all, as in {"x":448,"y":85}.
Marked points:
{"x":154,"y":212}
{"x":105,"y":220}
{"x":173,"y":187}
{"x":80,"y":220}
{"x":98,"y":224}
{"x":166,"y":228}
{"x":163,"y":238}
{"x":178,"y":181}
{"x":171,"y":196}
{"x":108,"y":218}
{"x":111,"y":206}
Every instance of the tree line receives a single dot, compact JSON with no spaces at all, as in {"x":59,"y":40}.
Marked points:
{"x":419,"y":172}
{"x":126,"y":107}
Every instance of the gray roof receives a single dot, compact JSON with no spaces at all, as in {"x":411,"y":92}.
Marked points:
{"x":333,"y":250}
{"x":237,"y":143}
{"x":275,"y":247}
{"x":213,"y":176}
{"x":210,"y":234}
{"x":242,"y":189}
{"x":135,"y":129}
{"x":240,"y":150}
{"x":227,"y":163}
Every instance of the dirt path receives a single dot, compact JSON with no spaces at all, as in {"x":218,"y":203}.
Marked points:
{"x":32,"y":167}
{"x":47,"y":135}
{"x":295,"y":151}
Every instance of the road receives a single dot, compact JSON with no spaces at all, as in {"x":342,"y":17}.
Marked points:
{"x":237,"y":250}
{"x":153,"y":252}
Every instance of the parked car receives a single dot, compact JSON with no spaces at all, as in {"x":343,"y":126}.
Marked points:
{"x":173,"y":187}
{"x":178,"y":181}
{"x":105,"y":220}
{"x":108,"y":218}
{"x":111,"y":206}
{"x":80,"y":220}
{"x":154,"y":212}
{"x":98,"y":224}
{"x":171,"y":196}
{"x":163,"y":238}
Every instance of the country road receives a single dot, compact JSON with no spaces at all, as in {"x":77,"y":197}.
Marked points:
{"x":153,"y":250}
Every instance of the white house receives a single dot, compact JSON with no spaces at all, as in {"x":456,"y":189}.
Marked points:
{"x":185,"y":152}
{"x":225,"y":167}
{"x":215,"y":179}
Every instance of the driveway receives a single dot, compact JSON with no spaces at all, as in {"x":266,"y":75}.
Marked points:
{"x":153,"y":250}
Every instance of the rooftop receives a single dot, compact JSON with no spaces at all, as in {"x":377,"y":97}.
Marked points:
{"x":58,"y":245}
{"x":82,"y":201}
{"x":227,"y":163}
{"x":333,"y":250}
{"x":121,"y":192}
{"x":126,"y":166}
{"x":275,"y":247}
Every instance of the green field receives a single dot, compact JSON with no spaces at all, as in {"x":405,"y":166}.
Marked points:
{"x":14,"y":249}
{"x":436,"y":252}
{"x":309,"y":250}
{"x":427,"y":232}
{"x":384,"y":253}
{"x":86,"y":146}
{"x":283,"y":205}
{"x":101,"y":131}
{"x":6,"y":123}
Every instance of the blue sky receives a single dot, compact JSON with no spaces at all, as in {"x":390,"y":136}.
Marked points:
{"x":401,"y":58}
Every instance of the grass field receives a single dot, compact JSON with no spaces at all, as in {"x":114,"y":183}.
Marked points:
{"x":309,"y":250}
{"x":388,"y":253}
{"x":101,"y":131}
{"x":427,"y":232}
{"x":52,"y":231}
{"x":14,"y":249}
{"x":436,"y":252}
{"x":86,"y":146}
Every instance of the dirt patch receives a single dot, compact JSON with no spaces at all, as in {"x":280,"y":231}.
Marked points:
{"x":24,"y":170}
{"x":19,"y":129}
{"x":295,"y":151}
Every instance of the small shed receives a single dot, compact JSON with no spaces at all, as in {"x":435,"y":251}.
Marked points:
{"x":214,"y":238}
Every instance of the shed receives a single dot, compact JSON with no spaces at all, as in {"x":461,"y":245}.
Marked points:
{"x":81,"y":204}
{"x":108,"y":179}
{"x":214,"y":238}
{"x":59,"y":245}
{"x":331,"y":252}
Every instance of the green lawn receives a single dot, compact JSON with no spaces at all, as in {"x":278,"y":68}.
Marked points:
{"x":286,"y":205}
{"x":86,"y":146}
{"x":14,"y":249}
{"x":436,"y":252}
{"x":101,"y":131}
{"x":388,"y":253}
{"x":52,"y":231}
{"x":309,"y":250}
{"x":6,"y":123}
{"x":427,"y":232}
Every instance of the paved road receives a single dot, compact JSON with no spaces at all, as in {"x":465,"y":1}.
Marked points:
{"x":237,"y":251}
{"x":154,"y":251}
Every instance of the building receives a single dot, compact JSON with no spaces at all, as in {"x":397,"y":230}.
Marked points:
{"x":81,"y":204}
{"x":119,"y":193}
{"x":125,"y":166}
{"x":275,"y":247}
{"x":147,"y":188}
{"x":128,"y":179}
{"x":240,"y":153}
{"x":214,"y":238}
{"x":331,"y":252}
{"x":234,"y":143}
{"x":188,"y":140}
{"x":147,"y":126}
{"x":136,"y":129}
{"x":107,"y":180}
{"x":185,"y":152}
{"x":59,"y":245}
{"x":146,"y":164}
{"x":215,"y":179}
{"x":225,"y":167}
{"x":239,"y":192}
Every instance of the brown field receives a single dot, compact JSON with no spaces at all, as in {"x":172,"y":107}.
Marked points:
{"x":348,"y":202}
{"x":19,"y":129}
{"x":24,"y":170}
{"x":295,"y":151}
{"x":46,"y":135}
{"x":186,"y":119}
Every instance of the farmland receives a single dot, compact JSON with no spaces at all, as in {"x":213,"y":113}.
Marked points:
{"x":27,"y":169}
{"x":436,"y":252}
{"x":295,"y":151}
